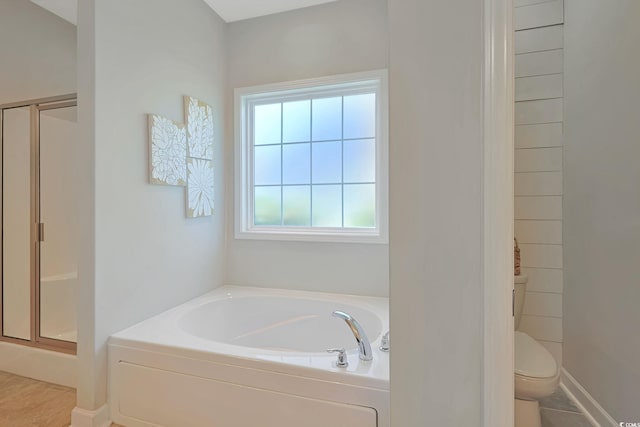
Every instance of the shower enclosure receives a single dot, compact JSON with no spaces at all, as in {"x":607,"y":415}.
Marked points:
{"x":38,"y":205}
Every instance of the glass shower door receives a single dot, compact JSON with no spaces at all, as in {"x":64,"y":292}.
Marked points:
{"x":16,"y":224}
{"x":57,"y":210}
{"x":38,"y":271}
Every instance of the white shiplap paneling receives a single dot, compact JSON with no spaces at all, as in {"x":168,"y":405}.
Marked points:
{"x":520,"y":3}
{"x":538,"y":159}
{"x":541,"y":207}
{"x":539,"y":63}
{"x":542,"y":328}
{"x":538,"y":165}
{"x":545,"y":232}
{"x":544,"y":111}
{"x":538,"y":184}
{"x":539,"y":87}
{"x":538,"y":39}
{"x":539,"y":15}
{"x":538,"y":135}
{"x":541,"y":256}
{"x":544,"y":279}
{"x":543,"y":304}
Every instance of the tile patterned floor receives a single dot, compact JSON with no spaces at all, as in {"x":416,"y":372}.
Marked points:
{"x":29,"y":403}
{"x":558,"y":410}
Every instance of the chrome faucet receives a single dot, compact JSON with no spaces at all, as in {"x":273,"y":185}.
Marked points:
{"x":358,"y":332}
{"x":385,"y":343}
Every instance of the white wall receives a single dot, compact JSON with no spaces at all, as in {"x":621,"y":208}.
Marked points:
{"x":602,"y":202}
{"x":142,"y":256}
{"x":38,"y":52}
{"x":538,"y":165}
{"x":436,"y":69}
{"x":335,"y":38}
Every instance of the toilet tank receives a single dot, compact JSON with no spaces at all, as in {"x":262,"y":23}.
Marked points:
{"x":520,"y":286}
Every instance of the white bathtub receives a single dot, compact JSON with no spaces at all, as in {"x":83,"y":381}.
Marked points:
{"x":244,"y":357}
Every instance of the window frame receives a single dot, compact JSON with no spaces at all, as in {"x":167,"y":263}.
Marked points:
{"x":337,"y":85}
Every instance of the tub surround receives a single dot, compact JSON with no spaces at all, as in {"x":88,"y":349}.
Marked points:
{"x":219,"y":343}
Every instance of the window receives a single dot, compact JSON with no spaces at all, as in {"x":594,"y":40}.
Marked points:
{"x":311,"y":160}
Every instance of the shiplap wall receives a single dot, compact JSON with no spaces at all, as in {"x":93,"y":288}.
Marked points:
{"x":538,"y":165}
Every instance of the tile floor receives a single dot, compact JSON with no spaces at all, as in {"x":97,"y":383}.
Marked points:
{"x":558,"y":410}
{"x":29,"y":403}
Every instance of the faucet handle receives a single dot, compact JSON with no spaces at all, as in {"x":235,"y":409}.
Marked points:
{"x":342,"y":357}
{"x":385,"y":343}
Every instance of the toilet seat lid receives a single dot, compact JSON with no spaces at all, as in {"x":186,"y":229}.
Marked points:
{"x":532,"y":359}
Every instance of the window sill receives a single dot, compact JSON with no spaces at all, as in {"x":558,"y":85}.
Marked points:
{"x":320,"y":236}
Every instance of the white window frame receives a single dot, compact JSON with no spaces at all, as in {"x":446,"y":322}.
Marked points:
{"x":248,"y":96}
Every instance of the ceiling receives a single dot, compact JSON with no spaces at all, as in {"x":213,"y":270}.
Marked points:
{"x":229,"y":10}
{"x":65,"y":9}
{"x":237,"y":10}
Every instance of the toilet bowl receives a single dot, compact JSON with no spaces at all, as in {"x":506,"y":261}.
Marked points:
{"x":536,"y":376}
{"x":536,"y":371}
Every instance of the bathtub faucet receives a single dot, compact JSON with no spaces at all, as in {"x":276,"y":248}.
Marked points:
{"x":358,"y":332}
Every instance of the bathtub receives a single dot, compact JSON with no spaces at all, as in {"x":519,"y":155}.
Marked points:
{"x":241,"y":356}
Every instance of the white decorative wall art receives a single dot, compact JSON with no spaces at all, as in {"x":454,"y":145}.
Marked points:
{"x":168,"y":149}
{"x":199,"y":188}
{"x":182,"y":155}
{"x":199,"y":128}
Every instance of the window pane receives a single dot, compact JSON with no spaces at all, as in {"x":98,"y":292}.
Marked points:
{"x":296,"y":121}
{"x":327,"y":162}
{"x":359,"y":205}
{"x":296,"y":205}
{"x":267,"y":165}
{"x":327,"y":206}
{"x":360,"y":160}
{"x":267,"y":123}
{"x":327,"y":119}
{"x":360,"y":116}
{"x":267,"y":205}
{"x":296,"y":168}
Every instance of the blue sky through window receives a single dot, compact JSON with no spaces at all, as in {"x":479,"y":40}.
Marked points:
{"x":315,"y":162}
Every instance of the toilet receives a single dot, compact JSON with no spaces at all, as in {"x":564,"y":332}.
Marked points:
{"x":536,"y":371}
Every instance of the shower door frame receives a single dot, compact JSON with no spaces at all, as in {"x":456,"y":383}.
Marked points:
{"x":36,"y":231}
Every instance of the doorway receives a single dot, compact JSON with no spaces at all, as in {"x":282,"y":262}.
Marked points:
{"x":38,"y":251}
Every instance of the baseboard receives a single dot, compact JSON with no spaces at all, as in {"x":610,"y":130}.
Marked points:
{"x":43,"y":365}
{"x":587,"y":404}
{"x":85,"y":418}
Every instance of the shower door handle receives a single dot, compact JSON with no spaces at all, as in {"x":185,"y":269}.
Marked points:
{"x":41,"y":232}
